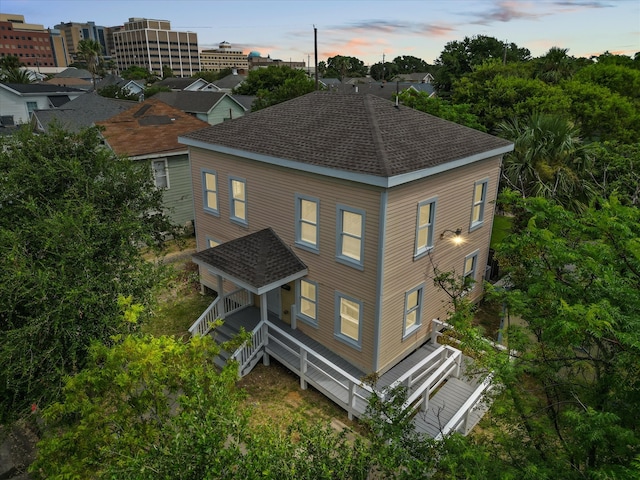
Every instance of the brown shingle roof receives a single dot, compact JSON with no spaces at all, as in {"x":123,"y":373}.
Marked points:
{"x":362,"y":134}
{"x":148,"y":127}
{"x":257,"y":260}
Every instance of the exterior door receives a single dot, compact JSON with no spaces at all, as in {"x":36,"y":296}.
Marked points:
{"x":274,"y":302}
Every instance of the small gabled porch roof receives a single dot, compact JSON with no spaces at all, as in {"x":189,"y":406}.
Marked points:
{"x":258,"y":262}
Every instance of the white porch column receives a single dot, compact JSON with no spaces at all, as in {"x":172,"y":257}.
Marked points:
{"x":221,"y":302}
{"x":263,"y":317}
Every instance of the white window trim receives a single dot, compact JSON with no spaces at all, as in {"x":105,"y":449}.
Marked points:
{"x":359,"y":264}
{"x":357,"y":344}
{"x":406,"y":331}
{"x":232,"y":202}
{"x":483,"y":203}
{"x":419,"y":250}
{"x":299,"y":221}
{"x":207,"y":208}
{"x":305,"y":318}
{"x":166,"y":172}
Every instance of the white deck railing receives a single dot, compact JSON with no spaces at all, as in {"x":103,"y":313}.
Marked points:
{"x":232,"y":302}
{"x":460,"y":420}
{"x":251,"y":348}
{"x":442,"y":363}
{"x":352,"y":387}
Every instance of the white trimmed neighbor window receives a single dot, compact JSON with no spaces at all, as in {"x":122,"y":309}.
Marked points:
{"x":307,"y":214}
{"x":238,"y":199}
{"x":350,"y":236}
{"x":210,"y":191}
{"x":211,"y":242}
{"x":425,"y":226}
{"x":348,"y":320}
{"x":308,"y":301}
{"x":160,"y":173}
{"x":412,"y":310}
{"x":479,"y":202}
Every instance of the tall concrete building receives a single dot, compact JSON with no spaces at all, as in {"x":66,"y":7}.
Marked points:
{"x":34,"y":45}
{"x":224,"y":57}
{"x":73,"y":32}
{"x":151,"y":44}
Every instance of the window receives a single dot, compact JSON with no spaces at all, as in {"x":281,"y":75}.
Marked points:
{"x":160,"y":176}
{"x":412,"y":310}
{"x":210,"y":191}
{"x":479,"y":201}
{"x":307,"y":222}
{"x":425,"y":226}
{"x":31,"y":106}
{"x":308,"y":301}
{"x":470,"y":267}
{"x":238,"y":199}
{"x":348,"y":320}
{"x":350,"y":231}
{"x":212,"y":242}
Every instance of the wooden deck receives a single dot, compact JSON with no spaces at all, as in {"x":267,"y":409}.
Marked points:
{"x":341,"y":382}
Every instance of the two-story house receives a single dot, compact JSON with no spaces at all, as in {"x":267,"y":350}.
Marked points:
{"x":148,"y":132}
{"x":334,"y":209}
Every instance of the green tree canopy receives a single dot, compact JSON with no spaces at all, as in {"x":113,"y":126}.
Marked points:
{"x":461,"y":57}
{"x":571,"y":402}
{"x":73,"y":219}
{"x":90,"y":52}
{"x":410,"y":64}
{"x":342,"y":67}
{"x":135,"y":72}
{"x":274,"y":85}
{"x":458,"y":113}
{"x":114,"y":91}
{"x":11,"y":72}
{"x":383,"y":71}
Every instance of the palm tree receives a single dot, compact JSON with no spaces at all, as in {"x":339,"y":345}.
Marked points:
{"x":90,"y":52}
{"x":548,"y":160}
{"x":10,"y":71}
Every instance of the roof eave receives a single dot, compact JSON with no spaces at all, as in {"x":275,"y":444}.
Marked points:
{"x":367,"y":179}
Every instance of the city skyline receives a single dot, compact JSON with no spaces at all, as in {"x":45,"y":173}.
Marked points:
{"x":369,"y":30}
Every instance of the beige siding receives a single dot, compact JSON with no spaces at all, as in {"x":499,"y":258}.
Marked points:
{"x":271,"y":203}
{"x":402,"y":272}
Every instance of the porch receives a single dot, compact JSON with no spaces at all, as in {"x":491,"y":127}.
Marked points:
{"x":443,"y":400}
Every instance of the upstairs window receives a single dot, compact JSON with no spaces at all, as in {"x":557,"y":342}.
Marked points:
{"x":160,"y":173}
{"x":479,"y":202}
{"x":307,"y":214}
{"x":238,"y":199}
{"x":350,"y":241}
{"x":425,"y":226}
{"x":210,"y":191}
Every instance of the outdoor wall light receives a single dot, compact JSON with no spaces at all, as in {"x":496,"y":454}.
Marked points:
{"x":457,"y":239}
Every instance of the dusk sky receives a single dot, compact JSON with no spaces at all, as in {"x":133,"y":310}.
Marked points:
{"x":367,"y":29}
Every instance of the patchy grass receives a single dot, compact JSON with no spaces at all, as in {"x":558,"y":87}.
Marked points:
{"x":501,"y":228}
{"x":276,"y":398}
{"x":487,"y":318}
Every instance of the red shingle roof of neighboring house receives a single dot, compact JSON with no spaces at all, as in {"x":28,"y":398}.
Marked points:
{"x":149,"y":127}
{"x":359,"y":134}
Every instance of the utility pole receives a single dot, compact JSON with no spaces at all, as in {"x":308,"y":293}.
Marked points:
{"x":315,"y":45}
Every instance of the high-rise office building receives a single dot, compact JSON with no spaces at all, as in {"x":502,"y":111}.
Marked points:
{"x":34,"y":45}
{"x":224,"y":57}
{"x":152,"y":45}
{"x":73,"y":32}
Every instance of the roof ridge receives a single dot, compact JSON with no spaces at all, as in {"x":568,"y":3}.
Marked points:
{"x":378,"y":142}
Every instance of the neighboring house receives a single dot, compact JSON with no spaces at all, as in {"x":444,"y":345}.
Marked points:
{"x":187,"y":84}
{"x":423,"y":87}
{"x":149,"y":132}
{"x":231,"y":81}
{"x":71,"y":82}
{"x":246,"y":101}
{"x":73,"y":72}
{"x":334,"y":209}
{"x":210,"y":107}
{"x":418,"y":77}
{"x":130,"y":86}
{"x":82,"y":112}
{"x":330,"y":82}
{"x":18,"y":100}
